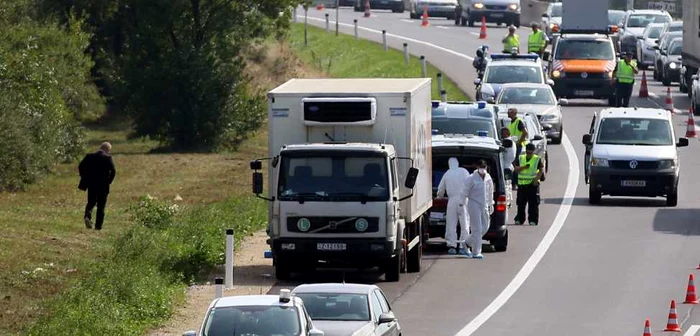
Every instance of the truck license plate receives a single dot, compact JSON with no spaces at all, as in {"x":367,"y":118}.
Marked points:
{"x":437,"y":215}
{"x":627,"y":183}
{"x":331,"y":246}
{"x":584,"y":93}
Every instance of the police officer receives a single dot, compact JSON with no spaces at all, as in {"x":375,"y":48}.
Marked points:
{"x":530,"y":171}
{"x":512,"y":40}
{"x":537,"y":41}
{"x":624,"y":79}
{"x":519,"y":133}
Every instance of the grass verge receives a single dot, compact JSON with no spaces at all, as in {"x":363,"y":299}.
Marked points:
{"x":57,"y":278}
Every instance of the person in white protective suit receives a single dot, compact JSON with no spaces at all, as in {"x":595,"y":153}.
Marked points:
{"x":479,"y":191}
{"x":453,"y":183}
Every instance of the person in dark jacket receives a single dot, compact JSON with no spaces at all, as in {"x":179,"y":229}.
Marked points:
{"x":96,"y":175}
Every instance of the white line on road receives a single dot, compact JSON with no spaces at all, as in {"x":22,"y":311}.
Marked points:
{"x":442,"y":27}
{"x":404,"y":20}
{"x":547,"y":240}
{"x":692,"y":330}
{"x":474,"y":33}
{"x":536,"y":257}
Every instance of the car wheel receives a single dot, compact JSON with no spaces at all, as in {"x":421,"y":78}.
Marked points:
{"x":517,"y":23}
{"x":594,"y":195}
{"x":500,"y":244}
{"x":557,"y":140}
{"x":464,"y":21}
{"x":672,"y":199}
{"x":458,"y":18}
{"x":471,"y":22}
{"x":695,"y":109}
{"x":665,"y":80}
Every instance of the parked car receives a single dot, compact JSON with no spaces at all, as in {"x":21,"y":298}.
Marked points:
{"x":478,"y":119}
{"x":436,"y":8}
{"x":538,"y":99}
{"x":507,"y":68}
{"x":671,"y":62}
{"x":551,"y":17}
{"x":634,"y":23}
{"x":646,"y":43}
{"x":396,"y":6}
{"x":662,"y":46}
{"x":341,"y":309}
{"x":493,"y":11}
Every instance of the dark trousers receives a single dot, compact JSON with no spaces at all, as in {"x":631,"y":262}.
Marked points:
{"x":516,"y":162}
{"x":528,"y":196}
{"x":623,"y":92}
{"x":96,"y":198}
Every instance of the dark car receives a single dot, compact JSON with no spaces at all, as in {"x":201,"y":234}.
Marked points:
{"x":493,"y":11}
{"x":662,"y":46}
{"x":396,"y":6}
{"x":671,"y":62}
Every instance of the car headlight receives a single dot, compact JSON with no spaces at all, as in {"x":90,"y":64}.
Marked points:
{"x":557,"y":74}
{"x":599,"y":162}
{"x":478,"y":5}
{"x":513,"y":6}
{"x":673,"y":65}
{"x":668,"y":164}
{"x":486,"y":95}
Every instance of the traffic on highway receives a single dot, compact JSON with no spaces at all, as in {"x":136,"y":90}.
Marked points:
{"x":562,"y":200}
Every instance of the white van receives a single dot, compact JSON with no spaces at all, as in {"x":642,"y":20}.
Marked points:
{"x":632,"y":152}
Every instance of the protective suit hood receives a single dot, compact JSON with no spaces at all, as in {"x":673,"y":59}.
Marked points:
{"x":453,"y":163}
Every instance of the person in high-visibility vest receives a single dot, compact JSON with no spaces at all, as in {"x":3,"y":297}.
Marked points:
{"x":519,"y":134}
{"x":530,"y":172}
{"x":623,"y":75}
{"x":537,"y":41}
{"x":512,"y":40}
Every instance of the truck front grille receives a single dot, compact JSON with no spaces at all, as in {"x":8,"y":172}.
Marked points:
{"x":332,"y":224}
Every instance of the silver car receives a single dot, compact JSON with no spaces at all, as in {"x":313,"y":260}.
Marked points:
{"x":552,"y":17}
{"x":341,"y":309}
{"x":646,"y":43}
{"x":538,"y":99}
{"x":536,"y":133}
{"x":436,"y":8}
{"x":695,"y":93}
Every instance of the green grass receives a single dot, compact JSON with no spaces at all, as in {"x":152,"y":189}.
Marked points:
{"x":343,"y":56}
{"x":57,"y":278}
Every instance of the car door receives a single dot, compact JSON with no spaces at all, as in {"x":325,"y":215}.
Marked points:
{"x":392,"y":328}
{"x":587,"y":155}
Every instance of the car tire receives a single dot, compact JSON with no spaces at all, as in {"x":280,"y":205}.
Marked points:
{"x":546,"y":162}
{"x":594,"y":196}
{"x":557,"y":140}
{"x":665,"y":80}
{"x":458,"y":18}
{"x":471,"y":22}
{"x":517,"y":23}
{"x":672,"y":199}
{"x":695,"y":108}
{"x":500,"y":244}
{"x":283,"y":271}
{"x":464,"y":21}
{"x":612,"y":101}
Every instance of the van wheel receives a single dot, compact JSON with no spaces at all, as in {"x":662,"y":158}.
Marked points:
{"x":500,"y":244}
{"x":594,"y":195}
{"x":672,"y":199}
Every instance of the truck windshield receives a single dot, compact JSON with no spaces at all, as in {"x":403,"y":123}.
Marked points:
{"x":635,"y":131}
{"x":252,"y":320}
{"x":585,"y":50}
{"x":330,"y":176}
{"x":463,"y":126}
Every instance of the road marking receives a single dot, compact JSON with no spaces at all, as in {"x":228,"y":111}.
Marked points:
{"x":547,"y":240}
{"x":406,"y":20}
{"x":540,"y":251}
{"x":450,"y":51}
{"x":474,"y":33}
{"x":692,"y":330}
{"x":442,"y":27}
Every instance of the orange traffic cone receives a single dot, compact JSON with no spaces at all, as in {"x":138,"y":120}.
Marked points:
{"x":482,"y":33}
{"x":669,"y":101}
{"x":367,"y":13}
{"x":647,"y":328}
{"x":425,"y":22}
{"x":643,"y":90}
{"x":690,"y":297}
{"x":319,"y":7}
{"x":672,"y":324}
{"x":691,"y":133}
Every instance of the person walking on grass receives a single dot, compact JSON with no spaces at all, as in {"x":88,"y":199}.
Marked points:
{"x":96,"y":175}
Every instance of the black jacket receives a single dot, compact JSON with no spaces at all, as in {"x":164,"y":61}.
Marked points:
{"x":96,"y":171}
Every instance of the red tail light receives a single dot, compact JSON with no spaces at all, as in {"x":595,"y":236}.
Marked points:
{"x":501,"y":203}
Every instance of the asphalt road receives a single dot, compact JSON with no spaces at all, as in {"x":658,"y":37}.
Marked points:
{"x":585,"y":270}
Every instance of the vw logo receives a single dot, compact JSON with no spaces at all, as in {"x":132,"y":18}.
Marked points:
{"x":584,"y":75}
{"x":633,"y":164}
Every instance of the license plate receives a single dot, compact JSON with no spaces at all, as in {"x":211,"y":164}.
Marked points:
{"x":331,"y":246}
{"x":497,"y":15}
{"x":385,"y":2}
{"x":437,"y":215}
{"x":634,"y":183}
{"x":583,"y":93}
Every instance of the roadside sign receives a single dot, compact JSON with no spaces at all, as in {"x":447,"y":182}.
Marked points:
{"x":662,"y":5}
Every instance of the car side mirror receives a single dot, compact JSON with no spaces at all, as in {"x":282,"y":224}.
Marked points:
{"x":315,"y":332}
{"x":490,"y":100}
{"x":537,"y":137}
{"x":657,"y":41}
{"x":663,"y":52}
{"x":545,"y":15}
{"x":640,"y":37}
{"x":694,"y":77}
{"x":546,"y":127}
{"x":190,"y":333}
{"x":563,"y":101}
{"x":477,"y":81}
{"x":550,"y":82}
{"x":507,"y":143}
{"x":682,"y":142}
{"x":586,"y":139}
{"x":386,"y":318}
{"x":411,"y":178}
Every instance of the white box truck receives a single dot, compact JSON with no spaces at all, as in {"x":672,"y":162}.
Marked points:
{"x":690,"y":56}
{"x":350,"y":180}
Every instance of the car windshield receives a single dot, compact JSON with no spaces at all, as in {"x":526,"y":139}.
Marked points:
{"x":520,"y":95}
{"x":654,"y":32}
{"x":513,"y":74}
{"x":675,"y":49}
{"x":252,"y":320}
{"x":635,"y":131}
{"x":675,"y":28}
{"x":642,"y":20}
{"x":463,"y":126}
{"x":336,"y":306}
{"x":328,"y":176}
{"x":585,"y":50}
{"x":556,"y":10}
{"x":614,"y":17}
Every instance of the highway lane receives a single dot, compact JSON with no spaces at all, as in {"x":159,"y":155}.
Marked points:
{"x":611,"y":267}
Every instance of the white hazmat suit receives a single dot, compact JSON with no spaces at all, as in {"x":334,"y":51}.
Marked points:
{"x":480,"y":207}
{"x":453,"y":182}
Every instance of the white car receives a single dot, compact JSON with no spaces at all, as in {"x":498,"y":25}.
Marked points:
{"x":264,"y":315}
{"x":341,"y":309}
{"x":646,"y":43}
{"x":695,"y":93}
{"x":509,"y":68}
{"x":538,"y":99}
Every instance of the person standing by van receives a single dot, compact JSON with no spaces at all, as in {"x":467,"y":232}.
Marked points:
{"x":479,"y":191}
{"x":624,"y":79}
{"x":530,"y":171}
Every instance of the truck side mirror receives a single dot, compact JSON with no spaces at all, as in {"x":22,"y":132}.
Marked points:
{"x":411,"y":178}
{"x":586,"y":139}
{"x":255,"y":165}
{"x":257,"y":183}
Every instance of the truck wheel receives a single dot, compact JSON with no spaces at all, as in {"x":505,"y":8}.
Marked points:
{"x":594,"y":195}
{"x":500,"y":244}
{"x":393,"y":267}
{"x":282,"y":270}
{"x":672,"y":199}
{"x":464,"y":21}
{"x":415,"y":256}
{"x":612,"y":101}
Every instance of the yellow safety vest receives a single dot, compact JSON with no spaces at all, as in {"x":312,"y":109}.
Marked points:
{"x":536,"y":41}
{"x":625,"y":73}
{"x":514,"y":131}
{"x":511,"y":42}
{"x":525,"y":177}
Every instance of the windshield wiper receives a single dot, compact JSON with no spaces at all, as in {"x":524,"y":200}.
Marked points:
{"x":363,"y":196}
{"x":301,"y":197}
